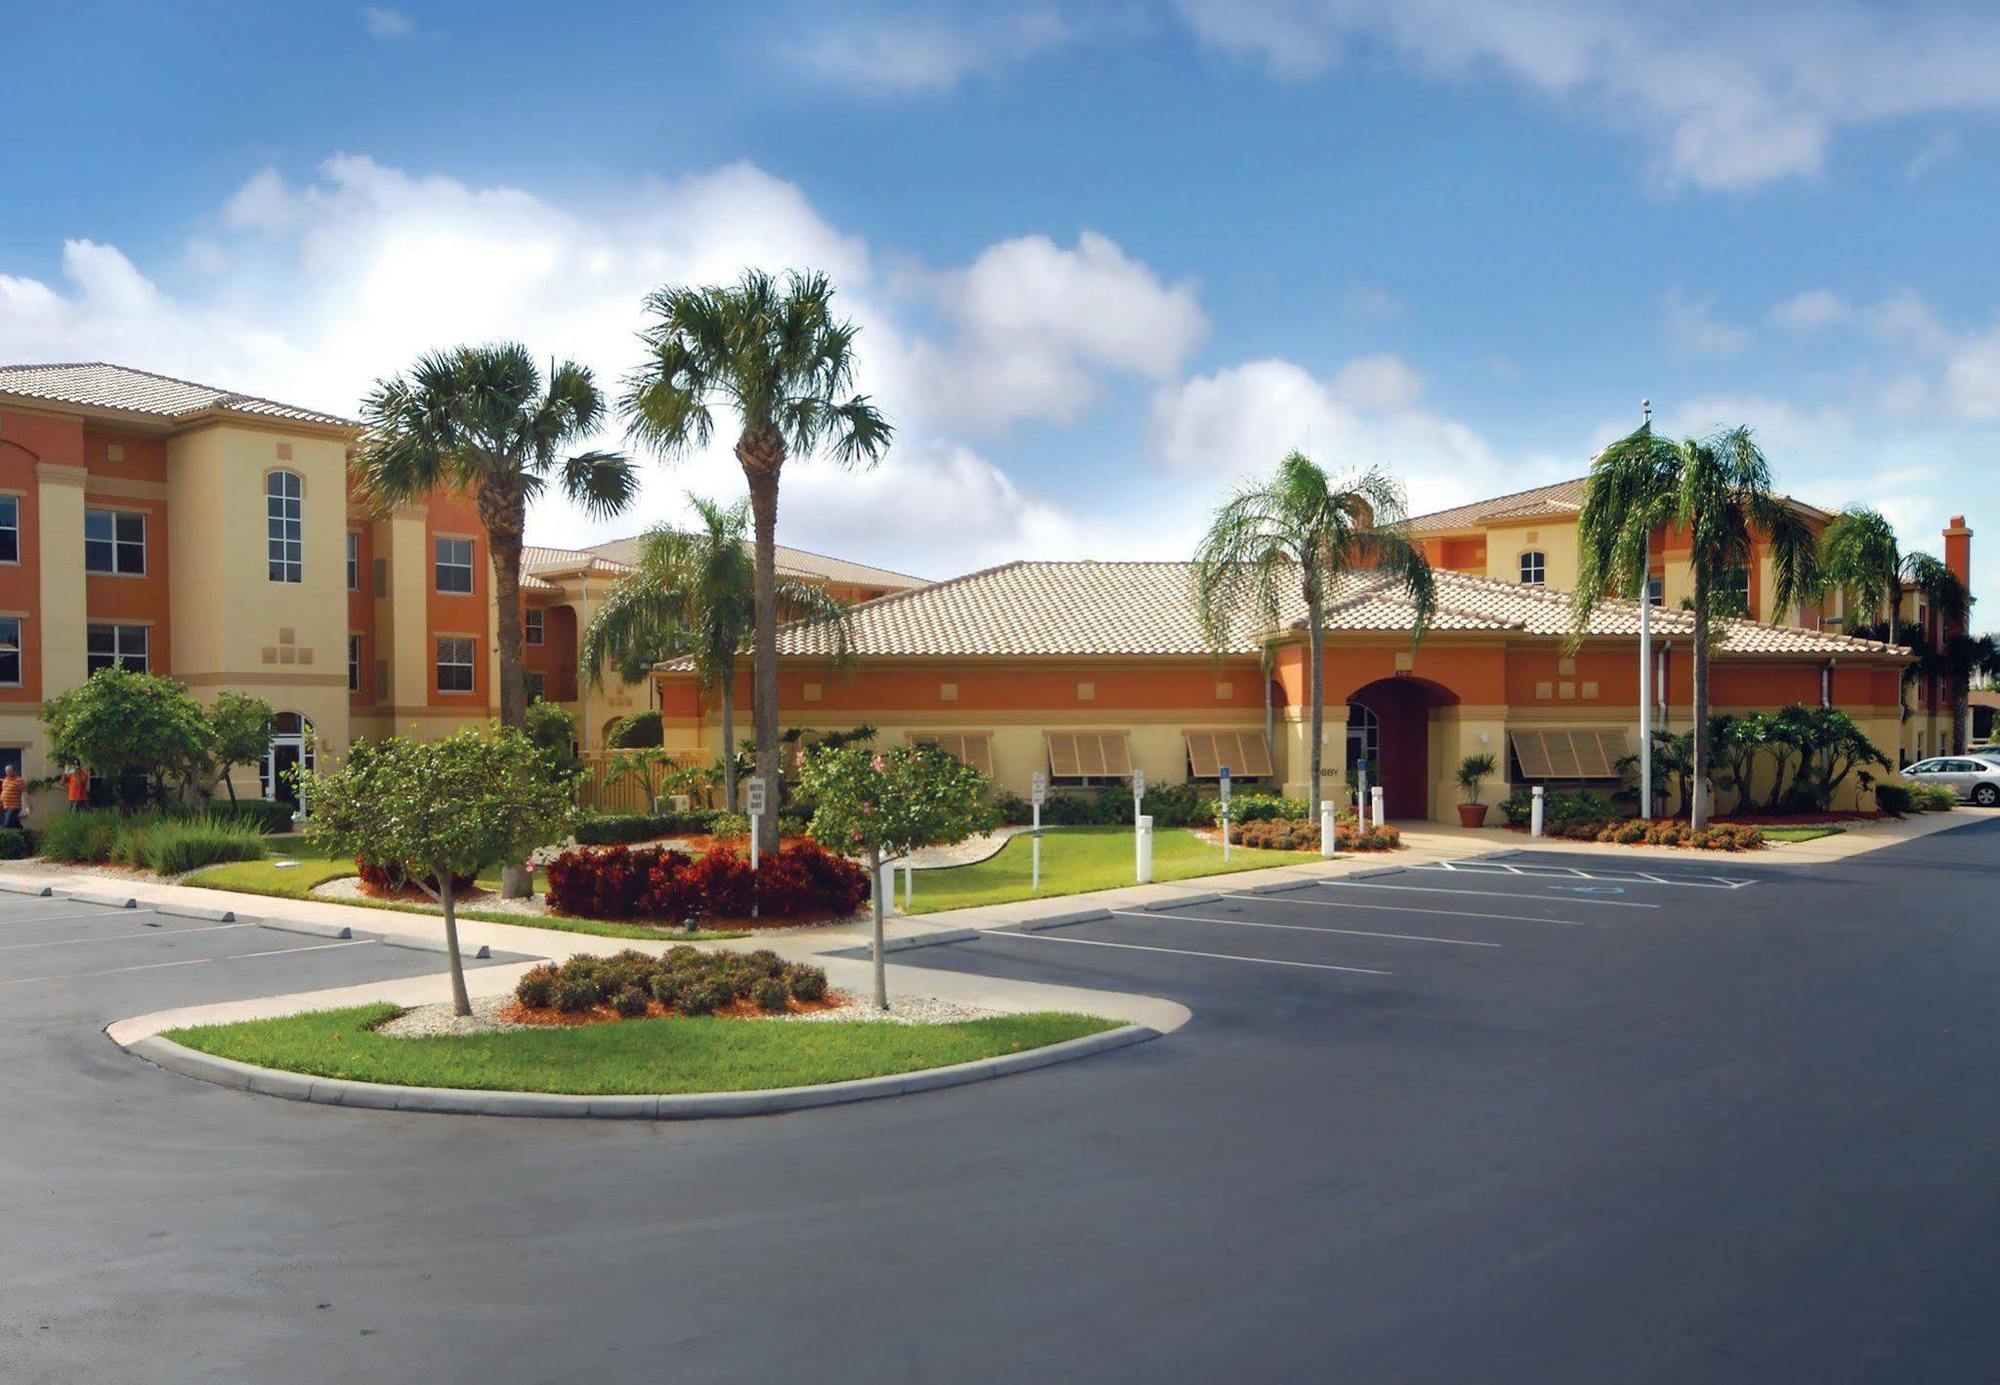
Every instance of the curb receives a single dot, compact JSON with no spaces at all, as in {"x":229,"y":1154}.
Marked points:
{"x":943,"y":935}
{"x":1068,"y":920}
{"x":36,"y":891}
{"x":470,"y":954}
{"x":1284,"y":886}
{"x":377,"y":1096}
{"x":312,"y":926}
{"x":198,"y":911}
{"x":1185,"y":902}
{"x":115,"y":901}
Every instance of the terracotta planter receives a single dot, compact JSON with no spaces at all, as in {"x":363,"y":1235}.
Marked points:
{"x":1472,"y":815}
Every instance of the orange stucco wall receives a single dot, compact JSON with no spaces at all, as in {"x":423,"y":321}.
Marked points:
{"x":555,"y":657}
{"x":361,"y":606}
{"x":21,"y":582}
{"x":452,"y":613}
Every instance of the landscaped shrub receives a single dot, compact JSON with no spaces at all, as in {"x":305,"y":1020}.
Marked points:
{"x":799,"y":880}
{"x":537,"y":986}
{"x":1934,"y":798}
{"x":770,"y":993}
{"x":1177,"y":805}
{"x":391,"y":879}
{"x":807,"y":983}
{"x":16,"y":843}
{"x":1302,"y":834}
{"x":639,"y":731}
{"x":685,"y":980}
{"x":598,"y":882}
{"x":265,"y":814}
{"x":1260,"y":807}
{"x":1892,"y":796}
{"x":704,"y":995}
{"x":1012,"y":809}
{"x":616,"y":828}
{"x":724,"y":883}
{"x":80,"y":838}
{"x":1561,"y":808}
{"x":630,"y":1003}
{"x":173,"y":847}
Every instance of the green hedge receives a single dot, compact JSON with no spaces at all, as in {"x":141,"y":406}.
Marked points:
{"x":166,"y":843}
{"x":16,"y":843}
{"x":616,"y":829}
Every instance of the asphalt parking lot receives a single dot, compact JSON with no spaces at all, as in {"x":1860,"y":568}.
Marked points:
{"x":1497,"y":1123}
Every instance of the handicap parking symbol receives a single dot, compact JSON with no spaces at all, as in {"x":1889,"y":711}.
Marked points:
{"x":1593,"y":889}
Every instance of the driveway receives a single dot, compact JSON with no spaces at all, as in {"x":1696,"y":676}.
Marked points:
{"x":1553,"y":1122}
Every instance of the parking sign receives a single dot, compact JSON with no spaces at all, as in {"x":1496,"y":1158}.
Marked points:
{"x":1225,"y":783}
{"x":1138,"y":783}
{"x":1038,"y":788}
{"x":754,"y":792}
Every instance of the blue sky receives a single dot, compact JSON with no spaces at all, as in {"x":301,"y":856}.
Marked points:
{"x":1107,"y":258}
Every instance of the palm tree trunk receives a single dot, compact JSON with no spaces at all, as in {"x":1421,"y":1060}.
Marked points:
{"x":461,"y":1004}
{"x":504,"y":512}
{"x":764,"y":665}
{"x":1697,"y":800}
{"x":729,"y":739}
{"x":1313,"y":643}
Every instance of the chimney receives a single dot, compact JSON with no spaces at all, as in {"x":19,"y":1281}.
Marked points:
{"x":1958,"y":549}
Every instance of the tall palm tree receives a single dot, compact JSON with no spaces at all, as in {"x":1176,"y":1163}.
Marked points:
{"x":1716,"y":489}
{"x":480,"y":419}
{"x":772,"y":351}
{"x":1304,"y":530}
{"x":693,"y":592}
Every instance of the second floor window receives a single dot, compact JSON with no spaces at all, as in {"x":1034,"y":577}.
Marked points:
{"x":116,"y":646}
{"x":538,"y":686}
{"x":1736,"y":592}
{"x":354,"y":663}
{"x":454,"y":565}
{"x":284,"y":495}
{"x":1656,"y":591}
{"x":454,"y":663}
{"x":532,"y":628}
{"x":114,"y":541}
{"x":10,"y":651}
{"x":1534,"y":568}
{"x":10,"y":528}
{"x":353,"y":561}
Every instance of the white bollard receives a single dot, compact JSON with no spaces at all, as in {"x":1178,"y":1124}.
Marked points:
{"x":1327,"y":836}
{"x":1375,"y":797}
{"x":1361,"y":810}
{"x":1142,"y":838}
{"x":909,"y":886}
{"x":1535,"y":818}
{"x":885,"y":888}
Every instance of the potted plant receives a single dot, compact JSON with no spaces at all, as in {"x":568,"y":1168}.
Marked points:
{"x":1473,"y":772}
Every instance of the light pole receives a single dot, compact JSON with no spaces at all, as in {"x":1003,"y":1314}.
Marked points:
{"x":1646,"y":660}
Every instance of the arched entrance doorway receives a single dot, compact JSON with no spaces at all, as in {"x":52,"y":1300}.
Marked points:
{"x":291,"y":745}
{"x":1389,"y":721}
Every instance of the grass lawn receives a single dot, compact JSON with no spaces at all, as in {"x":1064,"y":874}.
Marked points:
{"x":1802,"y":834}
{"x":630,"y":1057}
{"x":314,"y":868}
{"x":1078,"y":859}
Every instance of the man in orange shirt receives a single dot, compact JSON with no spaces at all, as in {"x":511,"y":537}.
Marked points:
{"x":13,"y":788}
{"x":76,"y":783}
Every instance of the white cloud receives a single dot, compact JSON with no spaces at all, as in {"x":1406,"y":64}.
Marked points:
{"x":927,"y":53}
{"x":1240,"y":421}
{"x":1810,"y":311}
{"x":1730,"y":95}
{"x":384,"y":23}
{"x":1694,"y":329}
{"x":1378,"y":383}
{"x":1034,"y":324}
{"x":1972,"y":378}
{"x":1905,"y":320}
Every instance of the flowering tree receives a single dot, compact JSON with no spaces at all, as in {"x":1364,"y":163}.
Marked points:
{"x":883,"y":806}
{"x":441,"y":809}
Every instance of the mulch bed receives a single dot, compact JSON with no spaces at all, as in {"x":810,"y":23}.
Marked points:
{"x":1831,"y":816}
{"x":517,"y":1013}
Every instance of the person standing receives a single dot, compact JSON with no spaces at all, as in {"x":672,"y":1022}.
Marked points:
{"x":76,"y":786}
{"x":13,"y":794}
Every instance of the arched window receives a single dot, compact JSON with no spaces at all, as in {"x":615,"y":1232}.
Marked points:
{"x":1534,"y":567}
{"x":284,"y":495}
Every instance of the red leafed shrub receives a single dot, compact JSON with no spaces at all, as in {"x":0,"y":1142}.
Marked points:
{"x":800,"y":880}
{"x":669,"y":891}
{"x":839,"y":884}
{"x":392,"y":880}
{"x":723,"y":882}
{"x":597,"y":882}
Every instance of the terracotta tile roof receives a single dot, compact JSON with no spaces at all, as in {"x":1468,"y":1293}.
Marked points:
{"x":793,"y":562}
{"x":538,"y":558}
{"x":97,"y":384}
{"x":1104,"y":609}
{"x":1561,"y":497}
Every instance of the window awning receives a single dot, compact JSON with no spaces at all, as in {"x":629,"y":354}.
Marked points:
{"x":974,"y":748}
{"x":1576,"y":752}
{"x":1089,"y":754}
{"x":1247,"y":754}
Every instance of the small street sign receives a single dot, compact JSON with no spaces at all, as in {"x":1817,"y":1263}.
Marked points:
{"x":1138,"y":783}
{"x":754,"y":792}
{"x":1038,"y":788}
{"x":1224,"y":779}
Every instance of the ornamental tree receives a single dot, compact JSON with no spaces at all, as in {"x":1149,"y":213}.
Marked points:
{"x":242,"y":732}
{"x":882,"y":806}
{"x":439,"y":809}
{"x":120,"y":723}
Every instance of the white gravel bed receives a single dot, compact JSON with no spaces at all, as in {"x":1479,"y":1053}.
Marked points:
{"x":903,"y":1009}
{"x":432,"y":1021}
{"x":348,"y":888}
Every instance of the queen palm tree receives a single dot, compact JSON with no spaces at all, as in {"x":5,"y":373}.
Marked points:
{"x":1303,"y":531}
{"x":1718,"y":490}
{"x":693,"y":592}
{"x":479,"y":419}
{"x":772,"y":351}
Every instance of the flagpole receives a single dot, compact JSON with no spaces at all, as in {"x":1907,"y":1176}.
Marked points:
{"x":1646,"y":661}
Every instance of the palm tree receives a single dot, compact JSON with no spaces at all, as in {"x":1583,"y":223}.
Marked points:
{"x":774,"y":353}
{"x":1304,"y":527}
{"x":693,"y":592}
{"x":1718,"y":490}
{"x":479,"y":419}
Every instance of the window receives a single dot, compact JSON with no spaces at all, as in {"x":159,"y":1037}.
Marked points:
{"x":354,"y":663}
{"x":974,"y":748}
{"x":284,"y":527}
{"x":1082,"y":758}
{"x":532,"y":628}
{"x":1735,"y":592}
{"x":454,"y":565}
{"x":1246,"y":753}
{"x":1569,"y":754}
{"x":353,"y":561}
{"x":115,"y":541}
{"x":1534,"y":567}
{"x":454,"y":664}
{"x":10,"y":528}
{"x":10,"y":651}
{"x":115,"y":646}
{"x":538,"y":686}
{"x":1656,"y":591}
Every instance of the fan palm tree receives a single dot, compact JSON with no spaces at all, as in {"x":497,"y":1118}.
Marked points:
{"x":773,"y":352}
{"x":693,"y":592}
{"x":1303,"y":531}
{"x":479,"y":419}
{"x":1716,"y":489}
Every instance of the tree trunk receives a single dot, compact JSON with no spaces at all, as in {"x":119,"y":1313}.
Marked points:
{"x":1313,"y":647}
{"x":762,"y":456}
{"x":729,"y":739}
{"x":1697,"y":800}
{"x":503,"y":510}
{"x":461,"y":1004}
{"x":229,"y":782}
{"x":875,"y":893}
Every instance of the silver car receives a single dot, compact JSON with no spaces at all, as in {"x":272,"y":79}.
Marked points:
{"x":1975,"y":778}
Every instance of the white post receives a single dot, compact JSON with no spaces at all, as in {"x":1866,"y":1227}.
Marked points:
{"x":1535,"y":821}
{"x":1361,"y":796}
{"x":1646,"y":682}
{"x":1037,"y":790}
{"x":885,"y":886}
{"x":755,"y":789}
{"x":1142,"y":836}
{"x":1375,"y":801}
{"x":1224,"y":784}
{"x":1327,"y":834}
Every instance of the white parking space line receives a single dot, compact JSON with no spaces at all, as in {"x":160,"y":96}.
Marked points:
{"x":1298,"y":928}
{"x":150,"y":934}
{"x":114,"y":915}
{"x":1402,"y":909}
{"x":1548,"y":872}
{"x":183,"y":962}
{"x":1189,"y":952}
{"x":1476,"y":894}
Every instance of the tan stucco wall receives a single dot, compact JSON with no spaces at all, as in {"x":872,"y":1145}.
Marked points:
{"x":1556,"y":541}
